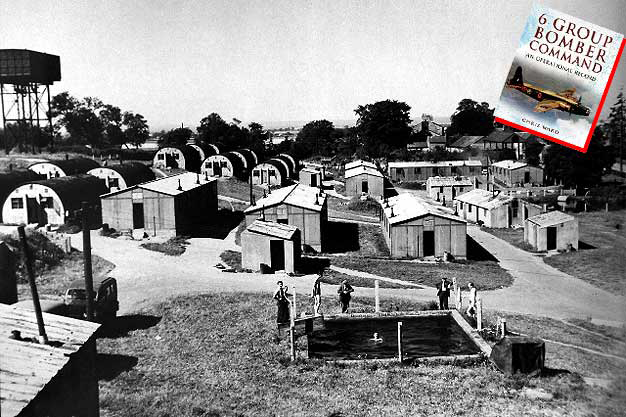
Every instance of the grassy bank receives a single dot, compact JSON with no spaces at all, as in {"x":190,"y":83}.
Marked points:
{"x":218,"y":355}
{"x":486,"y":275}
{"x":174,"y":246}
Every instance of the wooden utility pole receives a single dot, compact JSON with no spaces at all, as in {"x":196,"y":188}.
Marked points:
{"x":43,"y":338}
{"x":87,"y":261}
{"x":400,"y":341}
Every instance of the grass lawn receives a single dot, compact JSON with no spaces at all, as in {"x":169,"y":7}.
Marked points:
{"x":353,"y":209}
{"x":234,"y":188}
{"x":486,"y":275}
{"x":604,"y":265}
{"x":218,"y":355}
{"x":174,"y":246}
{"x":231,"y":258}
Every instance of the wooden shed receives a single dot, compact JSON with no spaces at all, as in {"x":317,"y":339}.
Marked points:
{"x":363,"y":178}
{"x":491,"y":208}
{"x":512,"y":173}
{"x":54,"y":201}
{"x":552,"y":230}
{"x":11,"y":180}
{"x":119,"y":177}
{"x":56,"y":379}
{"x":273,"y":244}
{"x":414,"y":228}
{"x":445,"y":189}
{"x":298,"y":205}
{"x":310,"y":176}
{"x":422,"y":170}
{"x":184,"y":157}
{"x":179,"y":204}
{"x":63,"y":168}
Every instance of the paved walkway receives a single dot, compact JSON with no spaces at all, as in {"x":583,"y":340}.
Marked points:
{"x":543,"y":290}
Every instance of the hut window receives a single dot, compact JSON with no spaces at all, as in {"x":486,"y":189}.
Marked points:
{"x":469,"y":208}
{"x":17,"y":203}
{"x":417,"y":171}
{"x":461,"y":205}
{"x":460,"y":189}
{"x":255,"y":172}
{"x":114,"y":182}
{"x":160,"y":157}
{"x":46,"y":202}
{"x":223,"y":164}
{"x":271,"y":173}
{"x":441,"y":189}
{"x":176,"y":156}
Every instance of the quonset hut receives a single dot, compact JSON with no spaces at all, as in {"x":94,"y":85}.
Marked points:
{"x":292,"y":163}
{"x":11,"y":180}
{"x":54,"y":201}
{"x":230,"y":164}
{"x":205,"y":150}
{"x":271,"y":172}
{"x":64,"y":168}
{"x":119,"y":177}
{"x":184,"y":157}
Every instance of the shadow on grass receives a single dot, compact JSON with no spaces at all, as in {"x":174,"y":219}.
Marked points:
{"x":110,"y":365}
{"x":310,"y":265}
{"x":218,"y":226}
{"x":341,"y":237}
{"x":124,"y":324}
{"x":584,"y":246}
{"x":549,"y":372}
{"x":475,"y":252}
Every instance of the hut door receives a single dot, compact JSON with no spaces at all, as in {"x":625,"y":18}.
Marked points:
{"x":217,"y":169}
{"x":551,"y":238}
{"x":526,"y":177}
{"x":32,"y":210}
{"x":277,"y":254}
{"x":429,"y":243}
{"x":313,"y":180}
{"x":138,"y":216}
{"x":364,"y":187}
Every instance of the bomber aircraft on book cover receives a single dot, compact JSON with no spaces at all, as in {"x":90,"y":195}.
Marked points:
{"x":549,"y":100}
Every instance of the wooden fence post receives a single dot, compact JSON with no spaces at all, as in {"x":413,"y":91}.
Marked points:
{"x":377,"y":296}
{"x":400,"y":341}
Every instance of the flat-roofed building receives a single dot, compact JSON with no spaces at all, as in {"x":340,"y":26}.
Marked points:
{"x":273,"y":244}
{"x":414,"y":228}
{"x":445,"y":189}
{"x":297,"y":205}
{"x":422,"y":170}
{"x":552,"y":230}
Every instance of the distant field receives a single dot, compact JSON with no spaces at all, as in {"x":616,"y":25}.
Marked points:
{"x":603,"y":265}
{"x":218,"y":355}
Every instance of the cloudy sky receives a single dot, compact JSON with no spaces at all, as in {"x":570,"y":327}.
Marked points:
{"x":177,"y":61}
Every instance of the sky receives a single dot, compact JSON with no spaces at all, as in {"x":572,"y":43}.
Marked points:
{"x":177,"y":61}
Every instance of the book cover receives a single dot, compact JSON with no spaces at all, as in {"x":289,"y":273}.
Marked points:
{"x":559,"y":78}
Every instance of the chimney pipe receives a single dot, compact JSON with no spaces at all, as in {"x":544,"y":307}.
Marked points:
{"x":180,"y":187}
{"x":197,"y":178}
{"x":43,"y":338}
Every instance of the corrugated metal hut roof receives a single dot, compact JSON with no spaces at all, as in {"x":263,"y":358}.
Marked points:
{"x":358,"y":163}
{"x":239,"y":170}
{"x":11,"y":180}
{"x":27,"y":367}
{"x":250,"y":156}
{"x":280,"y":166}
{"x":191,"y":155}
{"x":551,"y":218}
{"x":279,"y":230}
{"x":289,"y":161}
{"x":500,"y":136}
{"x":73,"y":166}
{"x":75,"y":189}
{"x":362,"y":169}
{"x":170,"y":185}
{"x":297,"y":195}
{"x":133,"y":172}
{"x":466,"y":141}
{"x":509,"y":164}
{"x":448,"y":181}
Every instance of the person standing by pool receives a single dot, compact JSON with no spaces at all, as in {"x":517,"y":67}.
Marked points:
{"x":316,"y":294}
{"x":471,"y":308}
{"x":282,"y":303}
{"x":443,"y":292}
{"x":344,"y":295}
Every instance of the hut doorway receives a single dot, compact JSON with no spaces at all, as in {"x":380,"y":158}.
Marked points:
{"x":138,"y":216}
{"x":32,"y":210}
{"x":551,"y":232}
{"x":217,"y":169}
{"x":526,"y":177}
{"x":365,"y":187}
{"x":429,"y":243}
{"x":277,"y":252}
{"x":313,"y":180}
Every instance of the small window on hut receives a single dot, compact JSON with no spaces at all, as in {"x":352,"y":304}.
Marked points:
{"x":17,"y":203}
{"x":46,"y":202}
{"x":255,"y":173}
{"x":223,"y":164}
{"x":271,"y":173}
{"x":160,"y":157}
{"x":114,"y":183}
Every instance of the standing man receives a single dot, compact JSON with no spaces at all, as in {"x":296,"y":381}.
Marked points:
{"x":316,"y":294}
{"x":443,"y":292}
{"x":344,"y":295}
{"x":282,"y":303}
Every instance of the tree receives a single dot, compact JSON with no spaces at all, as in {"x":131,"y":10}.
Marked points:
{"x":577,"y":169}
{"x":259,"y":139}
{"x":533,"y":150}
{"x":212,"y":130}
{"x":471,"y":118}
{"x":136,"y":130}
{"x":316,"y":138}
{"x":111,"y":118}
{"x":175,"y":137}
{"x":384,"y":126}
{"x":616,"y":127}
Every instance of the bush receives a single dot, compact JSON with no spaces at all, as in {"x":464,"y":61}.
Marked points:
{"x":174,"y":246}
{"x":369,"y":205}
{"x":231,"y":258}
{"x":44,"y":254}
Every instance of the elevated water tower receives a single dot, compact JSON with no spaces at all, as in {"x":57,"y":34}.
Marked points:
{"x":25,"y":80}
